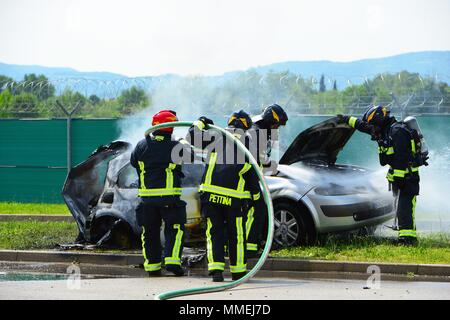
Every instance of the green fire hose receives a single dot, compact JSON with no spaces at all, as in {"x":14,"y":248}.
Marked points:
{"x":267,"y":199}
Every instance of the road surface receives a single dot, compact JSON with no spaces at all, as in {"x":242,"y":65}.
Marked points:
{"x":255,"y":289}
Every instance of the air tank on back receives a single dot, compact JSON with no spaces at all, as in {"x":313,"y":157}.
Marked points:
{"x":412,"y":123}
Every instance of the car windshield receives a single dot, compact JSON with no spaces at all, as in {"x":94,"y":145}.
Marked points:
{"x":128,"y":178}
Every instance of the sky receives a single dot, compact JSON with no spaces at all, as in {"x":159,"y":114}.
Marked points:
{"x":210,"y":37}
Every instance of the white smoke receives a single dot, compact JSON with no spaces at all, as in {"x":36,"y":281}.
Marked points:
{"x":432,"y":207}
{"x":132,"y":128}
{"x":185,"y":96}
{"x":188,"y":99}
{"x":434,"y":197}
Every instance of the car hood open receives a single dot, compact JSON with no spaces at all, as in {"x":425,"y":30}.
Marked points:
{"x":85,"y":182}
{"x":321,"y":142}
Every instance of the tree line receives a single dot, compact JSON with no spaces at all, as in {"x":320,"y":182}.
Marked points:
{"x":36,"y":96}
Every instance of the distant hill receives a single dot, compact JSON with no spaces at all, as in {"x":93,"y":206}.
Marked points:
{"x":427,"y":63}
{"x":17,"y":72}
{"x":68,"y":77}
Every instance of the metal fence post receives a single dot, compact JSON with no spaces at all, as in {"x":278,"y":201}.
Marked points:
{"x":69,"y":131}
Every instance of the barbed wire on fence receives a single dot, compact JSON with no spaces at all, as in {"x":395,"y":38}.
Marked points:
{"x":403,"y":92}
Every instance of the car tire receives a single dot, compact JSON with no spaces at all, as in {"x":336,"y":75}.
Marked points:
{"x":291,"y":226}
{"x":121,"y":237}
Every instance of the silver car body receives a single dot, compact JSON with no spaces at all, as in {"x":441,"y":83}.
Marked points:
{"x":336,"y":197}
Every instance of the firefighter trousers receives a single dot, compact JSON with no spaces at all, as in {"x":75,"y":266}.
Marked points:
{"x":406,"y":205}
{"x":255,"y":221}
{"x":225,"y":226}
{"x":151,"y":217}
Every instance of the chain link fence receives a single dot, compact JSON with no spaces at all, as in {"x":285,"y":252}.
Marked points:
{"x":47,"y":149}
{"x":40,"y":97}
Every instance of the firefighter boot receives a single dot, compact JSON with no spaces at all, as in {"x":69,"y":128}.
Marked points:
{"x":175,"y":269}
{"x":156,"y":273}
{"x":217,"y":276}
{"x":237,"y":275}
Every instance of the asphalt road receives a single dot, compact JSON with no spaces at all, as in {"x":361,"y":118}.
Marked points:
{"x":255,"y":289}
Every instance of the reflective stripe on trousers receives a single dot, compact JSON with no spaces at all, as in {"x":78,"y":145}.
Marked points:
{"x":176,"y":258}
{"x":248,"y":226}
{"x":410,"y":232}
{"x":148,"y":266}
{"x":240,"y":250}
{"x":212,"y":265}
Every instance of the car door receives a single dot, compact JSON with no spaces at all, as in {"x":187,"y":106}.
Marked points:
{"x":193,"y":175}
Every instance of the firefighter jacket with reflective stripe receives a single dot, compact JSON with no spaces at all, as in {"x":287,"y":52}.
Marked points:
{"x":400,"y":153}
{"x":229,"y":179}
{"x":396,"y":148}
{"x":159,"y":177}
{"x":263,"y":141}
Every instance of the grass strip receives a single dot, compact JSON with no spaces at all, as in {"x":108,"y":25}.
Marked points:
{"x":432,"y":249}
{"x":33,"y":208}
{"x":29,"y":235}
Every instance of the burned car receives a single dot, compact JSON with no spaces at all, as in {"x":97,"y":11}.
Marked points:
{"x":311,"y":194}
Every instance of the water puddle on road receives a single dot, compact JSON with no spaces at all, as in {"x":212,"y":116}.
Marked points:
{"x":33,"y":276}
{"x":13,"y":276}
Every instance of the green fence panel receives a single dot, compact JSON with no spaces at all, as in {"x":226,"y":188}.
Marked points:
{"x":33,"y":155}
{"x":32,"y":184}
{"x":88,"y":134}
{"x":33,"y":142}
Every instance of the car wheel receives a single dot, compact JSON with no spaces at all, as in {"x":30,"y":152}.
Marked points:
{"x":112,"y":232}
{"x":291,"y":226}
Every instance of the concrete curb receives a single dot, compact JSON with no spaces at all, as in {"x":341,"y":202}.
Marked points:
{"x":96,"y":270}
{"x":71,"y":257}
{"x":115,"y":271}
{"x":272,"y":266}
{"x":36,"y":217}
{"x":282,"y":264}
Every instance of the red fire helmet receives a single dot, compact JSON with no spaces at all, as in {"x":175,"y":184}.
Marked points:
{"x":164,"y":116}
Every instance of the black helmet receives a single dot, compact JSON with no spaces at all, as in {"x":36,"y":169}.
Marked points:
{"x":240,"y":120}
{"x":377,"y":116}
{"x":274,"y":115}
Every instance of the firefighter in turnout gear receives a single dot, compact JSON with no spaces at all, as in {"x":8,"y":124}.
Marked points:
{"x":264,"y":126}
{"x":229,"y":185}
{"x":398,"y":149}
{"x":263,"y":131}
{"x":159,"y":192}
